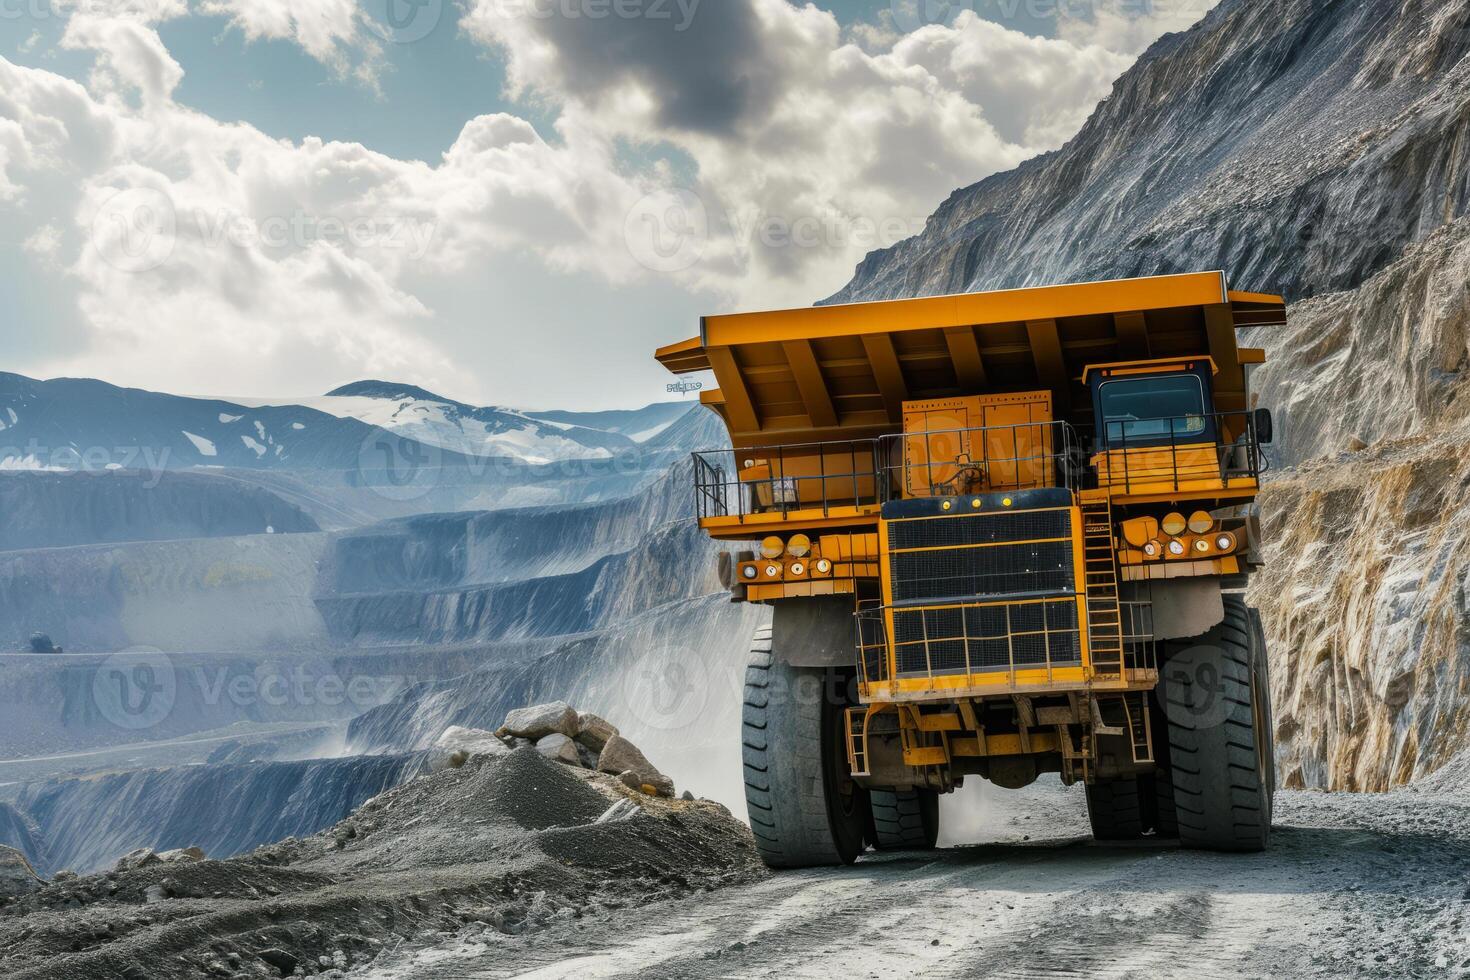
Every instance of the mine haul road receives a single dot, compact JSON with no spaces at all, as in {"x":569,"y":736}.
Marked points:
{"x":1354,"y":885}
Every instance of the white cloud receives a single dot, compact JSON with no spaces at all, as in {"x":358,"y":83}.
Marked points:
{"x":1126,"y":26}
{"x":809,"y":148}
{"x":130,"y":56}
{"x":329,"y":30}
{"x":752,"y":165}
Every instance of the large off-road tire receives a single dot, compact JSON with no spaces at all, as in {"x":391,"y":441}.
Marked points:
{"x":1115,"y":808}
{"x":905,"y":820}
{"x":1218,"y":709}
{"x":805,"y":810}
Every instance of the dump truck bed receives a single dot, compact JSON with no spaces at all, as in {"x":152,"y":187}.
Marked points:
{"x":844,"y":372}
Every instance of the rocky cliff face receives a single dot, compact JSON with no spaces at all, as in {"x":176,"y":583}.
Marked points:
{"x":1365,"y":590}
{"x":1321,"y":149}
{"x":1299,"y":145}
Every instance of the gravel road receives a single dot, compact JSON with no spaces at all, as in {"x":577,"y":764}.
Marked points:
{"x":1353,"y":886}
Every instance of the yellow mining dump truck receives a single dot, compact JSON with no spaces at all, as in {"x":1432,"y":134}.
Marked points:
{"x":1002,"y":534}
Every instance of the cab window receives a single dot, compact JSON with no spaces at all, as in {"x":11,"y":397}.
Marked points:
{"x":1152,"y":407}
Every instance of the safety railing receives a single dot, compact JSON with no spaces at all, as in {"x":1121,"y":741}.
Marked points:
{"x":857,"y":473}
{"x":780,"y":479}
{"x":980,"y":641}
{"x":1140,"y":650}
{"x":1179,"y":453}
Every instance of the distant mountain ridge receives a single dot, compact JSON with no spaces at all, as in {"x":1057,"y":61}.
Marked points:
{"x":70,"y":424}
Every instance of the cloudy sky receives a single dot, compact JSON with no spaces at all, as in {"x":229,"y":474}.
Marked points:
{"x":507,"y":201}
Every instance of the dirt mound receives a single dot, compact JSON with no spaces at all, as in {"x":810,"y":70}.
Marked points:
{"x":500,"y":846}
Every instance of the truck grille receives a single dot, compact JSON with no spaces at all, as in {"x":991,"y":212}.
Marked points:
{"x":985,"y":591}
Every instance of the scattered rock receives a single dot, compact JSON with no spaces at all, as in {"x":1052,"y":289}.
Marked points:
{"x":556,"y":718}
{"x":153,"y":894}
{"x":458,"y":745}
{"x":620,"y":756}
{"x":17,"y":877}
{"x":593,"y":731}
{"x":688,"y":797}
{"x":133,"y":860}
{"x":182,"y":855}
{"x":560,"y":748}
{"x":61,"y":876}
{"x":283,"y":962}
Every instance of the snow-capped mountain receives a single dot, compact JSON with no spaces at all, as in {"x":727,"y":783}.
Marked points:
{"x":478,"y":432}
{"x":68,"y":424}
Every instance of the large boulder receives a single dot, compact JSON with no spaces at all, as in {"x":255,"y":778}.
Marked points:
{"x":560,"y":748}
{"x":535,"y":723}
{"x":620,"y":756}
{"x":457,"y":745}
{"x":133,"y":860}
{"x":17,"y":877}
{"x":593,"y":731}
{"x":182,"y":855}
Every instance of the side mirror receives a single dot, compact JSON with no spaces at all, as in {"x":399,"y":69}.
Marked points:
{"x":1265,"y":427}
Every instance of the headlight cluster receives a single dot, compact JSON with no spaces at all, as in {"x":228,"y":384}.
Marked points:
{"x":1192,"y":537}
{"x":786,"y":560}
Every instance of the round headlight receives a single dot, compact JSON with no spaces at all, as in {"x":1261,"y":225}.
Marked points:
{"x":1202,"y":545}
{"x":773,"y":571}
{"x":1176,"y":548}
{"x":823,"y":566}
{"x":748,"y":571}
{"x":1152,"y":549}
{"x":772,"y":547}
{"x":1200,"y":522}
{"x":799,"y":546}
{"x":1174,"y":523}
{"x":1225,"y":542}
{"x":798,"y":568}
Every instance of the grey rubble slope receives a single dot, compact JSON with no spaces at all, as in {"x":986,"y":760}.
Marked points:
{"x":500,"y":846}
{"x":1298,"y":145}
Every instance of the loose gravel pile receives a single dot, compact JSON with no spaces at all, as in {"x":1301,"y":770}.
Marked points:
{"x":503,"y":845}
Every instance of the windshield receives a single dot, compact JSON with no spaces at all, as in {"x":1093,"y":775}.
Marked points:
{"x":1152,"y":407}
